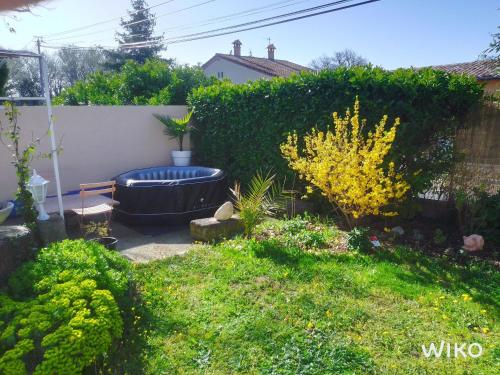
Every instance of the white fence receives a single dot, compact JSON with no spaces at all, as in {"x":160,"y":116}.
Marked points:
{"x":97,"y":143}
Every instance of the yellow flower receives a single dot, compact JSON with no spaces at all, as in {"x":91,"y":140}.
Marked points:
{"x":483,"y":311}
{"x":310,"y":325}
{"x":485,"y":330}
{"x":329,"y":313}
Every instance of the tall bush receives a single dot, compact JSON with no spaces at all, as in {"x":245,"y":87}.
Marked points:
{"x":347,"y":167}
{"x":155,"y":82}
{"x":239,"y":127}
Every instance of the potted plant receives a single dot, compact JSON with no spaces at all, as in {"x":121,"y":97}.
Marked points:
{"x":101,"y":230}
{"x":177,"y":128}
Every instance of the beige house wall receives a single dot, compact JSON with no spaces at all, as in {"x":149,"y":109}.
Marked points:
{"x":235,"y":72}
{"x":97,"y":143}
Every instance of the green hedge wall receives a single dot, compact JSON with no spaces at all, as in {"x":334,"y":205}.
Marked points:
{"x":239,"y":127}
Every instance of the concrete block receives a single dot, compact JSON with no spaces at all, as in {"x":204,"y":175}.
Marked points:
{"x":52,"y":230}
{"x":210,"y":229}
{"x":16,"y":247}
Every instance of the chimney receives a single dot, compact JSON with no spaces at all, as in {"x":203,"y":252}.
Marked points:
{"x":270,"y":51}
{"x":237,"y":48}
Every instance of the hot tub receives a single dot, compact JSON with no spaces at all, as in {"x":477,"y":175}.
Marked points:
{"x":172,"y":195}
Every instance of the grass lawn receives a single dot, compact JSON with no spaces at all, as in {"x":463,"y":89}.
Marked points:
{"x":288,"y":304}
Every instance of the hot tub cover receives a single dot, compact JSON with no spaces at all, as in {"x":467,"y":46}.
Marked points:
{"x":169,"y":194}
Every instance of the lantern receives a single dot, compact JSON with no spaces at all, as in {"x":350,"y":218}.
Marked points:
{"x":37,"y":185}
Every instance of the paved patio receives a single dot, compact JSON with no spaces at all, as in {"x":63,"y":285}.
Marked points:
{"x":140,"y":247}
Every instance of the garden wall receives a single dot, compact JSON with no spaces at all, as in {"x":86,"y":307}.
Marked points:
{"x":97,"y":143}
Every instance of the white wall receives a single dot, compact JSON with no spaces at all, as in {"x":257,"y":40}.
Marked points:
{"x":235,"y":72}
{"x":97,"y":143}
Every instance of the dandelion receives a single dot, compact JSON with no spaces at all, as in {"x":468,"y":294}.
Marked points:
{"x":329,"y":313}
{"x":310,"y":325}
{"x":485,"y":330}
{"x":483,"y":311}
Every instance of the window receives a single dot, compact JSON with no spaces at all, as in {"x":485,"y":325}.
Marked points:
{"x":220,"y":74}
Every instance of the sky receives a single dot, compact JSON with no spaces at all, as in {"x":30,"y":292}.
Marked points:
{"x":389,"y":33}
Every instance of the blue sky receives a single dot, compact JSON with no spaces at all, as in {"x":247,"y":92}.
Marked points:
{"x":389,"y":33}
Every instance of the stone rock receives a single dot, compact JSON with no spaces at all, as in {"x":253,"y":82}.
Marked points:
{"x":224,"y":212}
{"x":398,"y":231}
{"x":474,"y":242}
{"x":16,"y":247}
{"x":52,"y":230}
{"x":210,"y":229}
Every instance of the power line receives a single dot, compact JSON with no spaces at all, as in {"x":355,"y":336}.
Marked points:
{"x":306,"y":10}
{"x":134,"y":22}
{"x":183,"y":40}
{"x":108,"y":20}
{"x":228,"y":17}
{"x":276,"y":22}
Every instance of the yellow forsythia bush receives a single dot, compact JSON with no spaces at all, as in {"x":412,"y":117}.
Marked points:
{"x":348,"y":167}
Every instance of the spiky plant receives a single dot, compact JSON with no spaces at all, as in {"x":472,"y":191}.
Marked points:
{"x":175,"y":128}
{"x":263,"y":198}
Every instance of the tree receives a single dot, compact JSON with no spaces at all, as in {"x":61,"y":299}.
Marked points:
{"x":155,"y":82}
{"x":347,"y":58}
{"x":65,"y":68}
{"x":4,"y":74}
{"x":493,"y":51}
{"x":76,"y":64}
{"x":138,"y":28}
{"x":349,"y":168}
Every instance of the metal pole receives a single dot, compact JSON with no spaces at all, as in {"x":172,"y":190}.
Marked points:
{"x":55,"y":160}
{"x":42,"y":83}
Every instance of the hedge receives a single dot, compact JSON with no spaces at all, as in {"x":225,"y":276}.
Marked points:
{"x":69,"y":313}
{"x":239,"y":127}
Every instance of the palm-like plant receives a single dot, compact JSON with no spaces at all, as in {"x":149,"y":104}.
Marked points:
{"x":175,"y":128}
{"x":263,"y":198}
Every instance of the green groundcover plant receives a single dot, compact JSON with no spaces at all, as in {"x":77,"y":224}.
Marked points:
{"x":69,"y":313}
{"x":239,"y":127}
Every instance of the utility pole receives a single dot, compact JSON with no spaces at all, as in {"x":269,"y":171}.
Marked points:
{"x":42,"y":83}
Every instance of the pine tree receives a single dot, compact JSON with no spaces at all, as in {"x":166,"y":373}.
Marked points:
{"x":4,"y":73}
{"x":138,"y":28}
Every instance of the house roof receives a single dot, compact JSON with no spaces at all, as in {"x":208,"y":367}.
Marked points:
{"x":481,"y":69}
{"x":274,"y":68}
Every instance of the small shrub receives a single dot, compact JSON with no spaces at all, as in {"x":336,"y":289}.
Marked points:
{"x":350,"y":169}
{"x":439,"y":237}
{"x":358,"y":239}
{"x":66,"y":313}
{"x":479,"y":213}
{"x":78,"y":259}
{"x":264,"y":198}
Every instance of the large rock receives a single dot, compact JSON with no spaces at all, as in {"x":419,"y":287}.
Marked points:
{"x":211,"y":229}
{"x":16,"y":247}
{"x":225,"y":212}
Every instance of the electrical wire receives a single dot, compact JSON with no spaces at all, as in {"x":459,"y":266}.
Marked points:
{"x":184,"y":40}
{"x":106,"y":21}
{"x":306,"y":10}
{"x":134,"y":22}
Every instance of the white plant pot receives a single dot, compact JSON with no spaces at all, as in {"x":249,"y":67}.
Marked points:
{"x":181,"y":158}
{"x":5,"y":210}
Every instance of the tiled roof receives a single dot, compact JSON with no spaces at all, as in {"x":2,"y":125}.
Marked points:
{"x":481,"y":69}
{"x":275,"y":68}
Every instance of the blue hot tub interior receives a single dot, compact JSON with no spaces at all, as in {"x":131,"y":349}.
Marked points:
{"x":168,"y":176}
